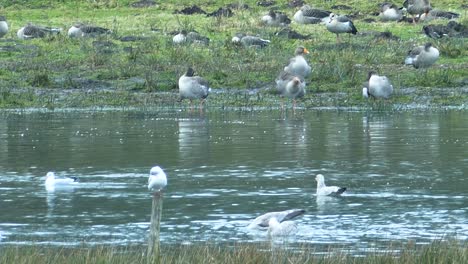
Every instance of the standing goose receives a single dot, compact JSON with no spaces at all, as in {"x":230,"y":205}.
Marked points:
{"x":417,"y":7}
{"x":422,"y":56}
{"x":298,"y":65}
{"x":157,"y":179}
{"x":31,"y":31}
{"x":322,"y":189}
{"x":340,"y":24}
{"x":264,"y":220}
{"x":3,"y":26}
{"x":193,"y":87}
{"x":377,"y":86}
{"x":309,"y":15}
{"x":390,"y":12}
{"x":290,"y":86}
{"x":84,"y":30}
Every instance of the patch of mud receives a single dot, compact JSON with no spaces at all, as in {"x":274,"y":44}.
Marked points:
{"x":221,"y":12}
{"x":266,"y":3}
{"x":191,"y":10}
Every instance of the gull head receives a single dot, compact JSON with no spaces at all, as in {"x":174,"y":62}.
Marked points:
{"x":50,"y":175}
{"x":319,"y":178}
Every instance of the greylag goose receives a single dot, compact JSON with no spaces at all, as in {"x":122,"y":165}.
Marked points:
{"x":309,"y":15}
{"x":264,"y":220}
{"x":190,"y":37}
{"x":417,"y":7}
{"x":290,"y":86}
{"x":322,"y":189}
{"x":276,"y":19}
{"x":85,"y":30}
{"x":422,"y":56}
{"x":31,"y":31}
{"x":157,"y":179}
{"x":377,"y":86}
{"x":340,"y":24}
{"x":193,"y":87}
{"x":435,"y":14}
{"x":3,"y":26}
{"x":51,"y":182}
{"x":298,"y":65}
{"x":390,"y":12}
{"x":249,"y":40}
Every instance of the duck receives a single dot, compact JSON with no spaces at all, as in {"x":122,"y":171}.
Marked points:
{"x":157,"y":179}
{"x":80,"y":29}
{"x":31,"y":31}
{"x":323,"y":190}
{"x":3,"y":26}
{"x":390,"y":12}
{"x":193,"y":87}
{"x":263,"y":221}
{"x":377,"y":86}
{"x":298,"y":65}
{"x":422,"y":56}
{"x":340,"y":24}
{"x":417,"y":7}
{"x":309,"y":15}
{"x":51,"y":182}
{"x":291,"y":86}
{"x":249,"y":41}
{"x":275,"y":19}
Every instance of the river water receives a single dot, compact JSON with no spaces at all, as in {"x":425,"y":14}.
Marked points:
{"x":406,"y":174}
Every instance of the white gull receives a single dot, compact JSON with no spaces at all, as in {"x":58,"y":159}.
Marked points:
{"x":263,"y":221}
{"x":157,"y":179}
{"x":322,"y":189}
{"x":51,"y":182}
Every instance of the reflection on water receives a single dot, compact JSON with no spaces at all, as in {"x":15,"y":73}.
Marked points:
{"x":405,"y":174}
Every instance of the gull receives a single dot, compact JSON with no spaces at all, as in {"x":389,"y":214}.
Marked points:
{"x":422,"y":56}
{"x":277,"y":229}
{"x":51,"y":182}
{"x":322,"y":189}
{"x":157,"y":179}
{"x":263,"y":221}
{"x":377,"y":86}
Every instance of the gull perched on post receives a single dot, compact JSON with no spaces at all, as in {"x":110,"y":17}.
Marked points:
{"x":157,"y":179}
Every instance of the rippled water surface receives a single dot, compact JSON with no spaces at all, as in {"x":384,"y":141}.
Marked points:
{"x":406,"y":173}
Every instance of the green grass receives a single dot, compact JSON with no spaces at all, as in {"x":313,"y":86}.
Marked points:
{"x":132,"y":71}
{"x":436,"y":252}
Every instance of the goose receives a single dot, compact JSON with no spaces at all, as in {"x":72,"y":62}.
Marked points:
{"x":84,"y":30}
{"x":422,"y":56}
{"x":434,"y":14}
{"x":3,"y":26}
{"x":417,"y":7}
{"x":277,"y":229}
{"x":157,"y":179}
{"x":263,"y":221}
{"x":31,"y":31}
{"x":276,"y":19}
{"x":51,"y":182}
{"x":322,"y":189}
{"x":340,"y":24}
{"x":377,"y":86}
{"x":291,"y":86}
{"x":298,"y":65}
{"x":390,"y":12}
{"x":249,"y":40}
{"x":309,"y":15}
{"x":193,"y":87}
{"x":190,"y":37}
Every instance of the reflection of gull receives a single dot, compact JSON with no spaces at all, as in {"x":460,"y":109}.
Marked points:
{"x":277,"y":229}
{"x":157,"y":179}
{"x":264,"y":220}
{"x":322,"y":189}
{"x":51,"y":183}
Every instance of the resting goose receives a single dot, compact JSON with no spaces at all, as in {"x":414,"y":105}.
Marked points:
{"x":390,"y":12}
{"x":31,"y":31}
{"x":157,"y":179}
{"x":84,"y":30}
{"x":190,"y":37}
{"x":309,"y":15}
{"x":340,"y":24}
{"x":417,"y":7}
{"x":276,"y":19}
{"x":193,"y":87}
{"x":3,"y":26}
{"x":298,"y":65}
{"x":290,"y":86}
{"x":249,"y":40}
{"x":322,"y":189}
{"x":435,"y":14}
{"x":422,"y":56}
{"x":263,"y":221}
{"x":377,"y":86}
{"x":51,"y":182}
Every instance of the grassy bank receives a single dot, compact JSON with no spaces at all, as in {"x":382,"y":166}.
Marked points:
{"x":437,"y":252}
{"x":62,"y":72}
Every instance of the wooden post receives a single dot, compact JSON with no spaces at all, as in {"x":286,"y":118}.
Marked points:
{"x":153,"y":253}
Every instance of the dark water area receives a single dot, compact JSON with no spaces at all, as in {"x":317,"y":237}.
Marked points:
{"x":406,"y":175}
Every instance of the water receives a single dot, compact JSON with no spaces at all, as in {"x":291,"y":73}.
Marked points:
{"x":405,"y":173}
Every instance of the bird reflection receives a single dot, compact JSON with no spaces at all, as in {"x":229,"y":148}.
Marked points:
{"x":324,"y":203}
{"x":194,"y":135}
{"x":56,"y":196}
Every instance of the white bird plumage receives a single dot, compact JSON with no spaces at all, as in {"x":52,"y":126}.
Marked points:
{"x":322,"y":189}
{"x":422,"y":56}
{"x":157,"y":179}
{"x":3,"y":26}
{"x":281,"y":229}
{"x":262,"y":221}
{"x":51,"y":182}
{"x":377,"y":86}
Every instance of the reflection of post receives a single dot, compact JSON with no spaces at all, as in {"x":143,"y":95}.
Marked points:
{"x":153,"y":243}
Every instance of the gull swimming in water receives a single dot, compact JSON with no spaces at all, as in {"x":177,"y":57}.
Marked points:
{"x":51,"y":182}
{"x":264,"y":220}
{"x":157,"y":179}
{"x":277,"y":229}
{"x":322,"y":189}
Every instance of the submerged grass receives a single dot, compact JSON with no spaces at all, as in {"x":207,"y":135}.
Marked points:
{"x":151,"y":63}
{"x":436,"y":252}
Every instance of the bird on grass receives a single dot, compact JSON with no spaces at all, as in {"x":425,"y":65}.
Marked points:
{"x":157,"y":179}
{"x":340,"y":24}
{"x":298,"y":65}
{"x":323,"y":190}
{"x":390,"y":12}
{"x":377,"y":86}
{"x":422,"y":56}
{"x":309,"y":15}
{"x":417,"y":7}
{"x":85,"y":30}
{"x":275,"y":19}
{"x":31,"y":31}
{"x":3,"y":26}
{"x":193,"y":87}
{"x":249,"y":41}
